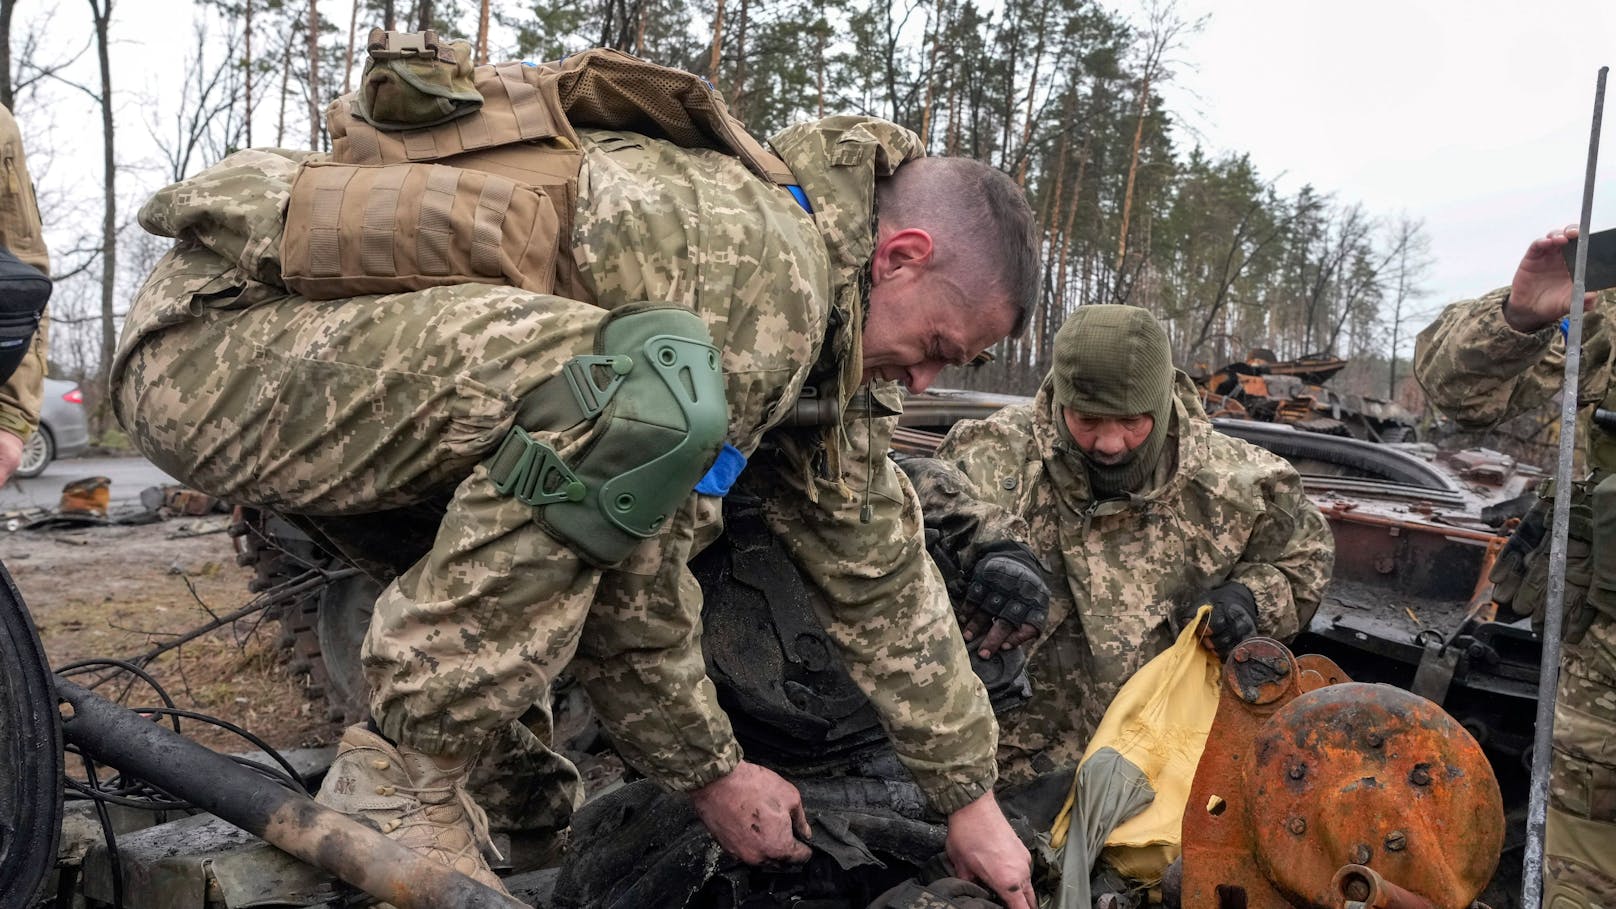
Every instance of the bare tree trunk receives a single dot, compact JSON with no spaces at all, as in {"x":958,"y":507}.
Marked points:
{"x":247,"y":64}
{"x":314,"y":77}
{"x":389,"y":16}
{"x":1133,"y":170}
{"x":1071,"y":221}
{"x":931,"y":74}
{"x":738,"y":89}
{"x":1032,"y":92}
{"x":425,"y":21}
{"x":482,"y":32}
{"x":101,"y":12}
{"x":286,"y":86}
{"x":7,"y":7}
{"x":718,"y":43}
{"x":819,"y":73}
{"x":353,"y":34}
{"x":639,"y":29}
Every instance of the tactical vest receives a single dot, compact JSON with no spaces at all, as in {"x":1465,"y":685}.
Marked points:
{"x":485,"y":192}
{"x":1520,"y":576}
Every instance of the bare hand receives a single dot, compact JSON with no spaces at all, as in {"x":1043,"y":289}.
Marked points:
{"x":999,"y":634}
{"x":753,"y":813}
{"x":982,"y":847}
{"x":10,"y":454}
{"x":1541,"y":292}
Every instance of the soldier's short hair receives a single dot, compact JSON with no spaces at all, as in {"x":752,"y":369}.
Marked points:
{"x":982,"y":228}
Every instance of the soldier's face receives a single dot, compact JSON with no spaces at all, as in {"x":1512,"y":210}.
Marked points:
{"x":1108,"y":440}
{"x":918,"y":321}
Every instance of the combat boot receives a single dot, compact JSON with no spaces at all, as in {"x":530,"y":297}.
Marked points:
{"x":407,"y":796}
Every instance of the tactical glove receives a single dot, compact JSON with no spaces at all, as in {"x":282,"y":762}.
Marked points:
{"x":1007,"y":599}
{"x":1233,"y":619}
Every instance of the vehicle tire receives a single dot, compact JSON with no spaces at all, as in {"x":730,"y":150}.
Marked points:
{"x":30,"y":755}
{"x":37,"y":454}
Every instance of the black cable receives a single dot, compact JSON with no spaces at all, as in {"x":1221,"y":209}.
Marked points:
{"x":113,"y":858}
{"x":292,"y":775}
{"x":83,"y":666}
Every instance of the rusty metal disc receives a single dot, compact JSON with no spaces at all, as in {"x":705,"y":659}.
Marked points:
{"x":1360,"y":774}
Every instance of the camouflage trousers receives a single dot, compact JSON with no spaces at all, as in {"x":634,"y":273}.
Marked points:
{"x":372,"y":403}
{"x":1580,"y":841}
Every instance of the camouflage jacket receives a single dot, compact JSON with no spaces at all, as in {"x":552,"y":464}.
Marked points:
{"x":1478,"y":370}
{"x":785,"y":305}
{"x":1219,"y":509}
{"x":20,"y":232}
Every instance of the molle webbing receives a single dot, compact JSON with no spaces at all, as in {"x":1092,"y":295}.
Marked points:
{"x":542,"y":105}
{"x":403,"y":227}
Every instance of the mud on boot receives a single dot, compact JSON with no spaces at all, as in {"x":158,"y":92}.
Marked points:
{"x":407,"y":796}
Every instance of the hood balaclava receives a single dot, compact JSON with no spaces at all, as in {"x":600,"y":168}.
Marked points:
{"x":1113,"y":361}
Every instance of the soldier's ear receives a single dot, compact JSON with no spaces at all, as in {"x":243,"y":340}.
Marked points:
{"x":905,"y":253}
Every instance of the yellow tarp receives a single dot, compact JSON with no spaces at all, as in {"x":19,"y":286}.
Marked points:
{"x":1158,"y":722}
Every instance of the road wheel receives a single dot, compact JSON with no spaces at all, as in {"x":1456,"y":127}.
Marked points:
{"x":30,"y":755}
{"x":37,"y":453}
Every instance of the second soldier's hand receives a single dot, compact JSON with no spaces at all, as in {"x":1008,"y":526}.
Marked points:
{"x":1540,"y":293}
{"x":982,"y":847}
{"x":755,"y":815}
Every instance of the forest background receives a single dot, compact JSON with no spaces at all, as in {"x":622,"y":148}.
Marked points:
{"x":1066,"y":96}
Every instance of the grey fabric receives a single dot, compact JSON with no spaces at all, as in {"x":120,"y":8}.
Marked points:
{"x":1110,"y":789}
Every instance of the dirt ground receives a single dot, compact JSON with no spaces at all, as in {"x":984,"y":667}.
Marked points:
{"x":119,"y":592}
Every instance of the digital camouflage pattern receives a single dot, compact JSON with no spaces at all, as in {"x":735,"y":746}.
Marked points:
{"x":22,"y":234}
{"x":361,"y":404}
{"x":1218,"y":509}
{"x":1479,"y":371}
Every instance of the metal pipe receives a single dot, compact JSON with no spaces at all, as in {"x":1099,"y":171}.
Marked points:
{"x":1554,"y":607}
{"x":1360,"y":885}
{"x":286,"y":819}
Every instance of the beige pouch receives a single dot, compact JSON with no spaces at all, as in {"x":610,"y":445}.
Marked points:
{"x":403,"y":227}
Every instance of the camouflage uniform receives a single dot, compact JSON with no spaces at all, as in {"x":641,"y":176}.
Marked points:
{"x":1478,"y":370}
{"x":21,"y":233}
{"x":361,"y":404}
{"x":1218,"y":509}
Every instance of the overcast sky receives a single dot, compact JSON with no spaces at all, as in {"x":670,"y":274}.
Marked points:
{"x":1472,"y":115}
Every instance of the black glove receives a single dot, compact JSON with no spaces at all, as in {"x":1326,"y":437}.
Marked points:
{"x":1233,"y":619}
{"x":1008,"y":599}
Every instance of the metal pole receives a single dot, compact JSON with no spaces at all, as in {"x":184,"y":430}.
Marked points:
{"x":1554,"y":608}
{"x":289,"y":820}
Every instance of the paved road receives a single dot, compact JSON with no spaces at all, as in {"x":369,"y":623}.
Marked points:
{"x":129,"y":476}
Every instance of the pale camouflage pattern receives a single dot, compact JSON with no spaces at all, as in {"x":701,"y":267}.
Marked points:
{"x":1218,"y":509}
{"x":1580,"y":848}
{"x":1478,"y":370}
{"x":368,"y":403}
{"x":879,"y":596}
{"x":22,"y":234}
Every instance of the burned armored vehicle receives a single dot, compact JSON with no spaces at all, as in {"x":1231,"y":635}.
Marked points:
{"x":1293,"y":392}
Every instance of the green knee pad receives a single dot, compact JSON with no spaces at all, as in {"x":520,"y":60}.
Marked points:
{"x":656,"y":392}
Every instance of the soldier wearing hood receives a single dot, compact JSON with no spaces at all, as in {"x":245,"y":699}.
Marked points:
{"x":570,"y":432}
{"x":1118,"y":486}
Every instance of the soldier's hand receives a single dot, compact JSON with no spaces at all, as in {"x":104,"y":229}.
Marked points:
{"x":10,"y":454}
{"x":1540,"y":294}
{"x":1007,"y":601}
{"x":982,"y":847}
{"x":1233,"y":618}
{"x":755,"y":815}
